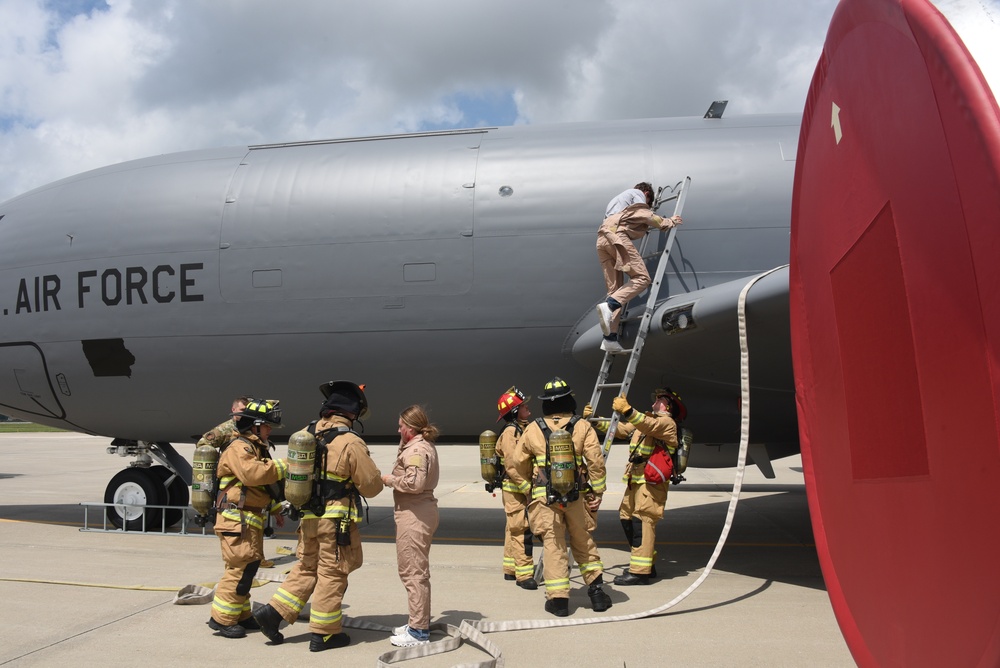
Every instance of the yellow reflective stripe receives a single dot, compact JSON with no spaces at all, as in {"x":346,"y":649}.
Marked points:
{"x":324,"y":618}
{"x":282,"y":467}
{"x":538,"y":493}
{"x":251,"y":519}
{"x":289,"y":599}
{"x":600,"y":484}
{"x":509,"y":486}
{"x":591,"y":566}
{"x":227,"y":609}
{"x":524,"y":570}
{"x":326,"y":475}
{"x":636,"y":417}
{"x":641,"y":562}
{"x":508,"y":562}
{"x":226,"y":480}
{"x":559,"y":584}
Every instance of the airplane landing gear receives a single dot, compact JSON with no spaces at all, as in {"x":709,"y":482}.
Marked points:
{"x":144,"y":484}
{"x":138,"y":486}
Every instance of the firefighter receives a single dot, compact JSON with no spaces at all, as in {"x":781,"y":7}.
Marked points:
{"x":518,"y":563}
{"x":413,"y":479}
{"x":646,"y":478}
{"x":245,"y":470}
{"x":223,"y":434}
{"x":618,"y":255}
{"x":329,"y":546}
{"x":552,"y":512}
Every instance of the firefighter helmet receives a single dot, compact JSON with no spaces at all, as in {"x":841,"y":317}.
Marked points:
{"x":555,"y":388}
{"x":258,"y":412}
{"x":343,"y":395}
{"x":510,"y":400}
{"x":678,"y":410}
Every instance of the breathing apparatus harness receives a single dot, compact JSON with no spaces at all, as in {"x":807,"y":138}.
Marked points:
{"x":325,"y":490}
{"x":221,"y":492}
{"x":551,"y":494}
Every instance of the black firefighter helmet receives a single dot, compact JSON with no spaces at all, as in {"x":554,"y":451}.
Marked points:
{"x":345,"y":397}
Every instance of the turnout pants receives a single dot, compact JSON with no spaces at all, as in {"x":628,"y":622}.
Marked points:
{"x":552,"y":523}
{"x":516,"y":561}
{"x":644,"y":502}
{"x":242,"y":555}
{"x":321,"y":574}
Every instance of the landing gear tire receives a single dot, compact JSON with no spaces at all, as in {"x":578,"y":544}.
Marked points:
{"x":177,"y":494}
{"x":140,"y":487}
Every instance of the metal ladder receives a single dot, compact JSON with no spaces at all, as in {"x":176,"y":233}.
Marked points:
{"x":677,"y":194}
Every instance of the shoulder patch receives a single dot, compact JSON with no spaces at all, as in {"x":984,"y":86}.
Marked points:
{"x":415,"y":460}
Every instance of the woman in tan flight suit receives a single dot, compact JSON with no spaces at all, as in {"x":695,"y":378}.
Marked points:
{"x":413,"y":479}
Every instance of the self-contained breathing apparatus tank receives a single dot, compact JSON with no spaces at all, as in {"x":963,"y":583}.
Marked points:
{"x":562,"y":467}
{"x":685,"y":437}
{"x":301,"y":467}
{"x":488,"y":458}
{"x":204,"y":463}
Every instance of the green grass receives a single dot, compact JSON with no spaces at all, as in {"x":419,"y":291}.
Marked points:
{"x":15,"y":427}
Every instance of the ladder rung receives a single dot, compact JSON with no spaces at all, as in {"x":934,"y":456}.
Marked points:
{"x":604,"y":385}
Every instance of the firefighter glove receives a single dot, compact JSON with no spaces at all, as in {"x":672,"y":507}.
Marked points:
{"x":587,"y":411}
{"x":620,"y":404}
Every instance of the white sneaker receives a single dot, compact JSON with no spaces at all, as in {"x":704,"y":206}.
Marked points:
{"x":604,"y":315}
{"x":400,"y":630}
{"x":406,"y":639}
{"x":612,"y":347}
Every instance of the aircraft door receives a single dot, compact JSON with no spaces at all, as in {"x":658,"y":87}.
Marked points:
{"x":25,"y":388}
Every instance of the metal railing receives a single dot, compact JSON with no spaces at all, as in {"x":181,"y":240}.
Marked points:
{"x":186,"y":522}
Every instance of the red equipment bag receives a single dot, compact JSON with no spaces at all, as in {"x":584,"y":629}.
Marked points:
{"x":659,"y":467}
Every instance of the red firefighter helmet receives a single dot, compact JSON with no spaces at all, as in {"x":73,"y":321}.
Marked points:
{"x":510,"y":400}
{"x":678,"y":411}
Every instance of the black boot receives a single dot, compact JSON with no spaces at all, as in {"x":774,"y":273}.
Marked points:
{"x":320,"y":642}
{"x":628,"y":578}
{"x":250,"y":624}
{"x":234,"y":631}
{"x":599,"y":600}
{"x":509,"y":576}
{"x":269,"y":620}
{"x":529,"y":584}
{"x":652,"y":572}
{"x":558,"y":606}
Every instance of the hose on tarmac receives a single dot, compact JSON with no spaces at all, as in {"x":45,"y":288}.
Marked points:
{"x":474,"y":632}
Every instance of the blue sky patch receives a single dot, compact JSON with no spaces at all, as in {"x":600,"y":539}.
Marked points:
{"x":490,"y":108}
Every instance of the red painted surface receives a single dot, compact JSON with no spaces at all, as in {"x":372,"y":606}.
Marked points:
{"x":895,"y":305}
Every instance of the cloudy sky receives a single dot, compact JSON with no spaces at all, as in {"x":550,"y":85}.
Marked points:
{"x":85,"y":83}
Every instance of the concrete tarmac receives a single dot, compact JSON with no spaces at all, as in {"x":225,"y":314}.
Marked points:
{"x":89,"y":598}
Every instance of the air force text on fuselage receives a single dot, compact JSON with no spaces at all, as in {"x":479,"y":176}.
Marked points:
{"x":107,"y":287}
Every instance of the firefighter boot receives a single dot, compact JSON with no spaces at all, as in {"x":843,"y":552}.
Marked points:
{"x":599,"y":599}
{"x":528,"y":584}
{"x":319,"y":642}
{"x":234,"y":631}
{"x":269,"y":620}
{"x":629,"y":578}
{"x":558,"y":606}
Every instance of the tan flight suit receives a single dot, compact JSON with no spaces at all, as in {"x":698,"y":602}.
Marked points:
{"x":552,"y":521}
{"x":413,"y":479}
{"x":220,"y":436}
{"x":619,"y":256}
{"x":644,"y":500}
{"x":516,"y":561}
{"x":323,"y":566}
{"x":244,"y":468}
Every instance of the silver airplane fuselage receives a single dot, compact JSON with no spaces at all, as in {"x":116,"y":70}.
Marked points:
{"x":138,"y":299}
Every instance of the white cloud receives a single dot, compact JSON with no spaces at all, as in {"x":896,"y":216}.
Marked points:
{"x":138,"y":78}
